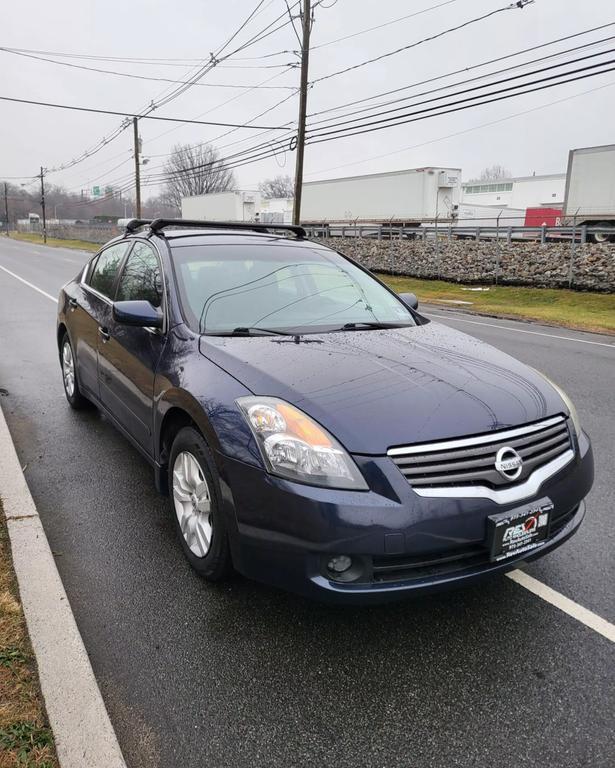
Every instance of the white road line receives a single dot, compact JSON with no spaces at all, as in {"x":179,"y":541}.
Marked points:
{"x":30,"y":285}
{"x":565,"y":604}
{"x":519,"y":330}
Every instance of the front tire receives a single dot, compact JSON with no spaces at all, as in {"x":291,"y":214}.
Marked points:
{"x":69,"y":376}
{"x":196,"y":505}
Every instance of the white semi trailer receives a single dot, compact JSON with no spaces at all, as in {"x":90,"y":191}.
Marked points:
{"x":411,"y":197}
{"x":590,"y":190}
{"x":222,"y":206}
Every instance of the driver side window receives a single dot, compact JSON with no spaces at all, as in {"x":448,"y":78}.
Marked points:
{"x":141,"y":279}
{"x":104,"y":270}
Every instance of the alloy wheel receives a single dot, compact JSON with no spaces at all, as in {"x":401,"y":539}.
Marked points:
{"x":68,"y":369}
{"x":192,"y":501}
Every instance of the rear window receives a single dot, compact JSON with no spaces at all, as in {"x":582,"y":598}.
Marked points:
{"x":279,"y":286}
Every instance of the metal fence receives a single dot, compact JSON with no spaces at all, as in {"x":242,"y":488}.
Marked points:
{"x":575,"y":234}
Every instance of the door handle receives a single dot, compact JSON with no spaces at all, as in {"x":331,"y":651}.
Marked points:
{"x":104,"y":334}
{"x":73,"y":303}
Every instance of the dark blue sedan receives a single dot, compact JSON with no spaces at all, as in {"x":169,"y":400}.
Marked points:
{"x":312,"y":429}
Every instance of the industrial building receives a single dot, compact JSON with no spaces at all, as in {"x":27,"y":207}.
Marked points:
{"x":521,"y":192}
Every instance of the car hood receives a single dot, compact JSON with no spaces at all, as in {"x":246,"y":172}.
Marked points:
{"x":381,"y":388}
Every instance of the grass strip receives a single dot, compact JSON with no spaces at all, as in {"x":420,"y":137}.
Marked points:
{"x":580,"y":310}
{"x":26,"y":740}
{"x":54,"y":242}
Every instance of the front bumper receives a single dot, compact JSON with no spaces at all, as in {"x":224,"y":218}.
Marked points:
{"x":283,"y":533}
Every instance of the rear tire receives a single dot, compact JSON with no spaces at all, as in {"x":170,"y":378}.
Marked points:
{"x":196,"y":505}
{"x":70,"y":381}
{"x":603,"y":237}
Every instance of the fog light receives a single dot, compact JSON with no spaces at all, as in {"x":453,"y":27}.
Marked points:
{"x":339,"y":564}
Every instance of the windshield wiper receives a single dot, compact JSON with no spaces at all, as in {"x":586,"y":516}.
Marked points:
{"x":362,"y":325}
{"x":252,"y":330}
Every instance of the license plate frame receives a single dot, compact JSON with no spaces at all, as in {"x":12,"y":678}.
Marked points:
{"x":519,"y":530}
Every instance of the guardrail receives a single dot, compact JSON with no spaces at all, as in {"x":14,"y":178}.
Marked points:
{"x":579,"y":234}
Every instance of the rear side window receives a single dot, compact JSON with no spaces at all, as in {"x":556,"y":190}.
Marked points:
{"x":106,"y":267}
{"x":141,"y":279}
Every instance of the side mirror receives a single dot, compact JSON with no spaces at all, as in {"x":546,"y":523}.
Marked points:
{"x":409,"y":300}
{"x":138,"y":313}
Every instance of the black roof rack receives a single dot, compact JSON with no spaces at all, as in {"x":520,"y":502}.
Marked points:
{"x":157,"y":225}
{"x":135,"y":224}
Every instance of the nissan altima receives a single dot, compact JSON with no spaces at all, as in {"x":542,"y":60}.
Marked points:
{"x":311,"y":428}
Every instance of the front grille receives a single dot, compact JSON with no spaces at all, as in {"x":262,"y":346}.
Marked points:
{"x":389,"y":568}
{"x":471,"y":461}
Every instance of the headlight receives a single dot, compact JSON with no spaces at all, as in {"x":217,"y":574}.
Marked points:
{"x":567,"y":402}
{"x":296,"y":447}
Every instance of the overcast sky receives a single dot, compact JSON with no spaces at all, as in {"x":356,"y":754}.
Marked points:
{"x":537,"y":141}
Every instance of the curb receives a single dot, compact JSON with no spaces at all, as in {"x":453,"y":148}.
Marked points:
{"x":79,"y":720}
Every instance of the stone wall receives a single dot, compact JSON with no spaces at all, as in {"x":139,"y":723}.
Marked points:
{"x":552,"y":265}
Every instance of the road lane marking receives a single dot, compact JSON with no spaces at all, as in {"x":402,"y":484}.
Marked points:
{"x":520,"y":330}
{"x":30,"y":285}
{"x":565,"y":604}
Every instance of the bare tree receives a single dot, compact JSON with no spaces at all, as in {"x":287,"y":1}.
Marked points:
{"x":495,"y":172}
{"x":279,"y":186}
{"x":195,"y":170}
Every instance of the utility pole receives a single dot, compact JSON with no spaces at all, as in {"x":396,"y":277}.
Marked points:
{"x":135,"y":125}
{"x":43,"y":205}
{"x":305,"y":58}
{"x":6,"y":207}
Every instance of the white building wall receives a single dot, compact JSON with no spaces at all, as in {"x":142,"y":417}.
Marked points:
{"x":520,"y":193}
{"x":536,"y":191}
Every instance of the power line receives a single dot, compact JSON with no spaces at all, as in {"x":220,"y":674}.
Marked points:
{"x":222,"y":104}
{"x":263,"y":151}
{"x":128,"y":159}
{"x":261,"y":155}
{"x":319,"y":138}
{"x":202,"y":114}
{"x":518,"y":5}
{"x":131,"y":114}
{"x":381,"y":26}
{"x":466,"y":69}
{"x":165,"y":97}
{"x":132,"y":59}
{"x":464,"y":131}
{"x":131,"y":75}
{"x":484,"y":76}
{"x":269,"y":149}
{"x":466,"y":90}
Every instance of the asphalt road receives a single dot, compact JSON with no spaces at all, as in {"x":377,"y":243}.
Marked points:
{"x":243,"y":675}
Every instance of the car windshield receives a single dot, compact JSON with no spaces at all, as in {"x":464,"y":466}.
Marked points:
{"x":279,"y":286}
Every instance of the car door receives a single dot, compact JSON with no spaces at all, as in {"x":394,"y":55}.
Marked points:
{"x":128,"y":356}
{"x":90,"y":309}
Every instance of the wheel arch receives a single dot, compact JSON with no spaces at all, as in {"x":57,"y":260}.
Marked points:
{"x":176,"y":410}
{"x":61,"y":331}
